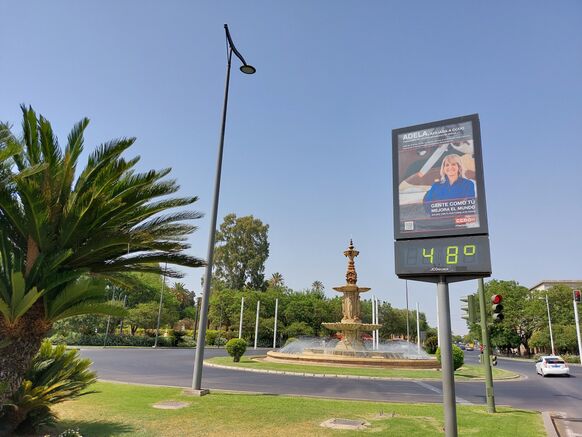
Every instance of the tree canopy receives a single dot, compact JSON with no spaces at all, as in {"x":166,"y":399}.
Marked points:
{"x":241,"y":252}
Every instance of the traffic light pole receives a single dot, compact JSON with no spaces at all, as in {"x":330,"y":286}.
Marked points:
{"x":486,"y":350}
{"x":448,"y":370}
{"x":577,"y":328}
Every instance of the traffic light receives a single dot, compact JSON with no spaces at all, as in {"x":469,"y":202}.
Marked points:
{"x":577,"y":296}
{"x":494,"y":360}
{"x":470,"y":308}
{"x":497,"y":308}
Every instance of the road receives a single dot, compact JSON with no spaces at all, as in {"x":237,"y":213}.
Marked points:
{"x":174,"y":367}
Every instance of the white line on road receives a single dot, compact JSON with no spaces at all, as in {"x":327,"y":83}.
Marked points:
{"x":440,"y":392}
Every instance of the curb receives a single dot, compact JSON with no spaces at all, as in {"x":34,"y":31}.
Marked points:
{"x":333,"y":375}
{"x":549,"y":424}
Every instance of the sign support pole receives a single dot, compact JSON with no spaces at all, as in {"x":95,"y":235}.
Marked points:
{"x":486,"y":351}
{"x":449,"y":399}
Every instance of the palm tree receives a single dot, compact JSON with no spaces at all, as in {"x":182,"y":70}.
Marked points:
{"x":62,"y":236}
{"x":276,"y":280}
{"x":317,"y":286}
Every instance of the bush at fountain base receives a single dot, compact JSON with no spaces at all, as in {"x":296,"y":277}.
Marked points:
{"x":458,"y":357}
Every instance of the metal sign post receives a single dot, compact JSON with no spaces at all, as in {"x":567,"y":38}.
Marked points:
{"x":486,"y":350}
{"x":440,"y":220}
{"x":448,"y":369}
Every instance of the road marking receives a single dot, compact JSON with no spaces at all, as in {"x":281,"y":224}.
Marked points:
{"x":440,"y":392}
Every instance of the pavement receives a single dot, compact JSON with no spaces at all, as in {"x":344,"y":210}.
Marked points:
{"x":560,"y":398}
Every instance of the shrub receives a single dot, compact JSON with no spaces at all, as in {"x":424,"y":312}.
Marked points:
{"x":56,"y":375}
{"x":178,"y":337}
{"x":119,"y":340}
{"x":573,"y":359}
{"x":431,"y":344}
{"x":458,"y":356}
{"x":236,"y":348}
{"x":215,"y":337}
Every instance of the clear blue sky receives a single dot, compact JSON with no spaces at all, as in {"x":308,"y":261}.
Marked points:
{"x":308,"y":146}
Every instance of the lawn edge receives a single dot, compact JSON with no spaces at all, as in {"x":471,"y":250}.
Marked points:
{"x":334,"y":375}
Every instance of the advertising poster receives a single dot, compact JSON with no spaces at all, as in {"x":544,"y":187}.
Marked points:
{"x":438,"y":179}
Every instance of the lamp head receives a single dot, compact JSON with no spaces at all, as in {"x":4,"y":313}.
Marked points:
{"x":248,"y":69}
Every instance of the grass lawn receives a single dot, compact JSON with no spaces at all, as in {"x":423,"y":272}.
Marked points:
{"x":466,"y":373}
{"x":126,"y":410}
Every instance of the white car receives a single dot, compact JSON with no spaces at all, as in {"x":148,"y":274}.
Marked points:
{"x":552,"y":365}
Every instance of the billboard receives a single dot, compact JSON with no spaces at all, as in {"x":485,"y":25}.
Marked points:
{"x":438,"y":179}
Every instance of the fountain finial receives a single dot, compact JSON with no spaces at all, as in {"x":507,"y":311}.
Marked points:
{"x":351,"y":275}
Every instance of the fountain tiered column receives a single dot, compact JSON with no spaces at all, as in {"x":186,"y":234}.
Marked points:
{"x":351,"y":325}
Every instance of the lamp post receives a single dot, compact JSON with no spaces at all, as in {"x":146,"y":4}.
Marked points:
{"x":247,"y":69}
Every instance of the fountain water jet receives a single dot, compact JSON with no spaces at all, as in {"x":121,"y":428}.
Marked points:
{"x":350,"y":350}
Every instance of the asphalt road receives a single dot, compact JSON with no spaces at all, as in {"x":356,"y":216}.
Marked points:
{"x":174,"y":367}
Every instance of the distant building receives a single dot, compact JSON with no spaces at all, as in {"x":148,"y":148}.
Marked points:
{"x":549,"y":283}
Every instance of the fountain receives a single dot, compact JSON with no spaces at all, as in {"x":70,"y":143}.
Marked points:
{"x":350,"y":349}
{"x":351,"y":324}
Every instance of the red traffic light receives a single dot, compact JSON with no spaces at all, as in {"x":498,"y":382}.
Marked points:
{"x":577,"y":295}
{"x":496,"y":299}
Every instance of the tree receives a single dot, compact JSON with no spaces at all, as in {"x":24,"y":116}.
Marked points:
{"x":523,"y":311}
{"x":64,"y":236}
{"x":241,"y":252}
{"x":317,"y":286}
{"x":185,"y":299}
{"x":145,"y":315}
{"x":276,"y":280}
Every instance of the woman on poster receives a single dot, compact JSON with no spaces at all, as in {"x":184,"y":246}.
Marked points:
{"x":453,"y":183}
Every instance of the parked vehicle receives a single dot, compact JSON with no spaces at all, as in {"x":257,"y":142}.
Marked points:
{"x":552,"y":365}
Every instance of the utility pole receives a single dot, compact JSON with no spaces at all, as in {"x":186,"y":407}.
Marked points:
{"x":486,"y":351}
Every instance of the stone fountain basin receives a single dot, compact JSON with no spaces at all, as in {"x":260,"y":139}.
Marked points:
{"x":373,"y":359}
{"x":352,"y":326}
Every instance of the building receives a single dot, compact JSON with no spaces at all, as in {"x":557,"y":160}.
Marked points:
{"x":575,"y":284}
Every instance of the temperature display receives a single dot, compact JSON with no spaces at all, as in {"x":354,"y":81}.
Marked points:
{"x":437,"y":256}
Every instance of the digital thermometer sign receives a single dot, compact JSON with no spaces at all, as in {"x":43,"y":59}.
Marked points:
{"x":463,"y":256}
{"x":440,"y":214}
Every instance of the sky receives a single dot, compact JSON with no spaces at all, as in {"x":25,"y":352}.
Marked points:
{"x":308,"y":137}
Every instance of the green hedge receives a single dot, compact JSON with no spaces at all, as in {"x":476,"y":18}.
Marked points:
{"x":114,"y":340}
{"x":458,"y":356}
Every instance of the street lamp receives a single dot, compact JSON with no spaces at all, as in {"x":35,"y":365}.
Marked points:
{"x":247,"y":69}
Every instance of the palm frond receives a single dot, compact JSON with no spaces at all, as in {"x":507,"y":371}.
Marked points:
{"x":82,"y":291}
{"x":20,"y":299}
{"x":105,"y":309}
